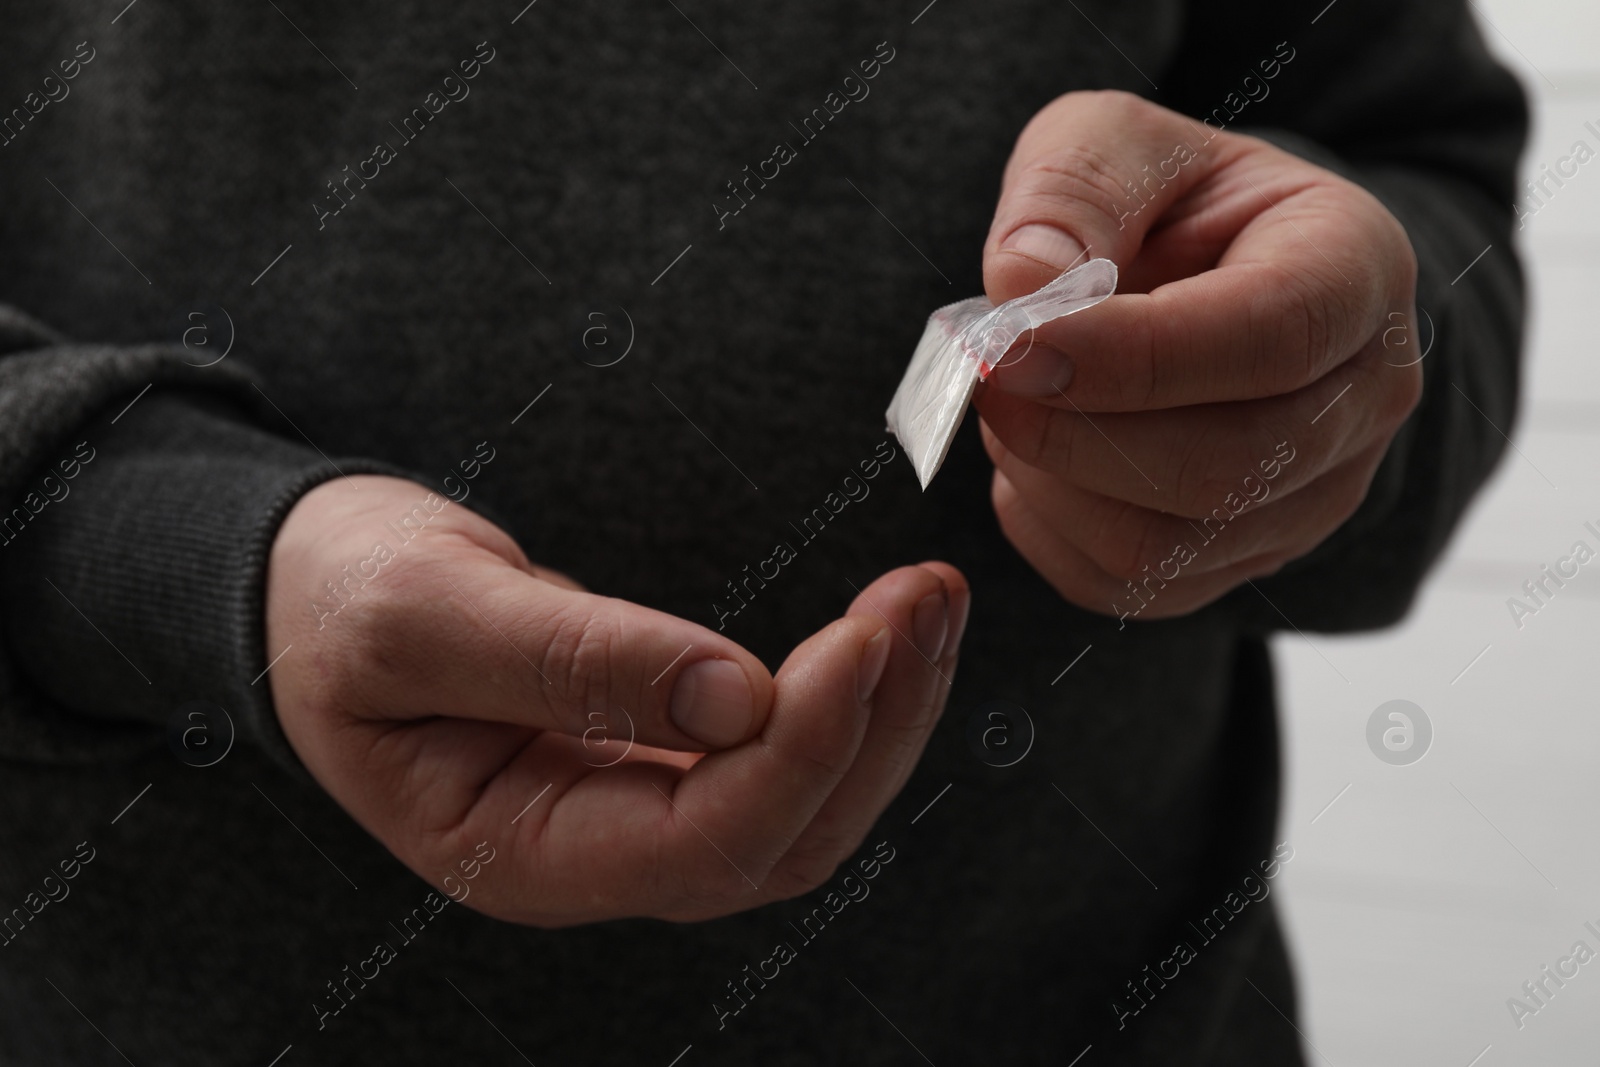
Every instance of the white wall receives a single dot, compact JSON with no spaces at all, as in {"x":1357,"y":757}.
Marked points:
{"x":1423,"y":898}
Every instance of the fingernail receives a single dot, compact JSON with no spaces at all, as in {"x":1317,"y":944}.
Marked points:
{"x":874,"y":658}
{"x":929,"y":623}
{"x":712,"y":703}
{"x":1047,"y":244}
{"x":1035,"y":372}
{"x":958,"y":620}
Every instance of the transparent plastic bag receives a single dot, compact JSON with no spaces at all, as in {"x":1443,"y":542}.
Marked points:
{"x":960,"y":346}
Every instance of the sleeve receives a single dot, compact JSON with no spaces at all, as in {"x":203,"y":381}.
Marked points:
{"x":140,"y":497}
{"x":1401,"y":97}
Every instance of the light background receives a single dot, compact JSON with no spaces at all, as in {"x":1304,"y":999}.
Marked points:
{"x":1425,"y":895}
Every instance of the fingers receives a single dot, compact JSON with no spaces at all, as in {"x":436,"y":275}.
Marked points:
{"x":1131,"y":543}
{"x":675,"y":835}
{"x":654,"y":837}
{"x":452,"y":704}
{"x":1187,"y":461}
{"x":926,"y":610}
{"x":651,"y":839}
{"x":464,"y":636}
{"x":1087,"y":178}
{"x":1079,"y":579}
{"x":1273,"y":271}
{"x":1237,"y":380}
{"x":1271,"y":318}
{"x":789,"y":806}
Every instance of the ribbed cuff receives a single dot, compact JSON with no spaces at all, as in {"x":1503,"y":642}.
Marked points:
{"x":139,"y":584}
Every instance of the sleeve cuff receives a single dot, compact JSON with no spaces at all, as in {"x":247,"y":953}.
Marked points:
{"x":138,"y":584}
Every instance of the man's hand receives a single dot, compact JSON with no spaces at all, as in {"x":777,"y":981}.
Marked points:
{"x":1139,"y":447}
{"x":458,"y":683}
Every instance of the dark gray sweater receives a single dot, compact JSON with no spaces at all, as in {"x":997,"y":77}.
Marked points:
{"x":506,"y":181}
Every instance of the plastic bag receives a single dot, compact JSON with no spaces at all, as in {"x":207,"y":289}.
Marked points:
{"x":962,"y":344}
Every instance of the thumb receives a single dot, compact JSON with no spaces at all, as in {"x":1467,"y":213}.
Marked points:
{"x":1090,"y":175}
{"x":466,"y":636}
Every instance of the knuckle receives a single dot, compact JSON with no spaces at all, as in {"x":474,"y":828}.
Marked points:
{"x":1054,"y":440}
{"x":1040,"y":438}
{"x":1151,"y":544}
{"x":1126,"y":543}
{"x":828,"y":752}
{"x":1118,"y":104}
{"x":1156,"y":341}
{"x":1073,"y":169}
{"x":578,"y":656}
{"x":1125,"y":105}
{"x":379,"y":644}
{"x":406,"y":584}
{"x":1067,"y":179}
{"x":1195,"y":485}
{"x":1293,"y":331}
